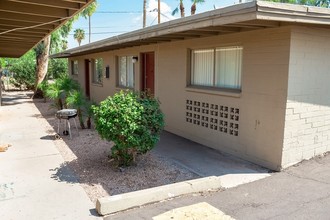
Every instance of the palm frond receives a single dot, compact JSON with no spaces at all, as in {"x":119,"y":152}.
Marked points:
{"x":175,"y":11}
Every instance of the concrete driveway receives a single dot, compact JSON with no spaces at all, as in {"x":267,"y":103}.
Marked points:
{"x":27,"y":189}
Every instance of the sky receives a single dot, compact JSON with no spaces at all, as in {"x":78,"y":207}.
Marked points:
{"x":115,"y":17}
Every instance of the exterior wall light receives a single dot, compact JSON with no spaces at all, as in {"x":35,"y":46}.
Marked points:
{"x":135,"y":59}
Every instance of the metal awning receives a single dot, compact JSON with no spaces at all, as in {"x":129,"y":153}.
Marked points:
{"x":237,"y":18}
{"x":24,"y":23}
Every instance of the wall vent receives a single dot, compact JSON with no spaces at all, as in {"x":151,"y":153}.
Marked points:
{"x":216,"y":117}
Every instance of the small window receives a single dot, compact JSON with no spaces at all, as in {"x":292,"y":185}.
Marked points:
{"x":74,"y":67}
{"x":217,"y":67}
{"x":97,"y":65}
{"x":126,"y":71}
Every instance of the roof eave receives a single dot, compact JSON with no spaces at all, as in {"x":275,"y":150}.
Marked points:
{"x":247,"y":16}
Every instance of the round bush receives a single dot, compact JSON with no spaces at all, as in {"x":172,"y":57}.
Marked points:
{"x":133,"y":121}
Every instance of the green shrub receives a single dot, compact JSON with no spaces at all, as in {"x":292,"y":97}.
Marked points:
{"x":133,"y":121}
{"x":24,"y":70}
{"x":60,"y":89}
{"x":77,"y":100}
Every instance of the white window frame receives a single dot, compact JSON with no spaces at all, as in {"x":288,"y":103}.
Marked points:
{"x":74,"y":67}
{"x":127,"y":80}
{"x":212,"y":79}
{"x":97,"y":74}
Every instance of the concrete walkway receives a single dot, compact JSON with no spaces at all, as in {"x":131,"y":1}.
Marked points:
{"x":202,"y":160}
{"x":27,"y":189}
{"x":205,"y":161}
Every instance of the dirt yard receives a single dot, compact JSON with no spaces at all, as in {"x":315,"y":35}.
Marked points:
{"x":87,"y":156}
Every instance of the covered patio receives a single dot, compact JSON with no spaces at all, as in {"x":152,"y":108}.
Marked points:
{"x":24,"y":23}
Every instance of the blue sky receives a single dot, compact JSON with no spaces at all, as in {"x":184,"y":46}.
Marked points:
{"x":114,"y":17}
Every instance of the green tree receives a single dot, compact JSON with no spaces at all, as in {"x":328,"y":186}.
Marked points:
{"x":64,"y":44}
{"x":79,"y":35}
{"x":24,"y":69}
{"x":42,"y":56}
{"x":87,"y":13}
{"x":52,"y":43}
{"x":57,"y":67}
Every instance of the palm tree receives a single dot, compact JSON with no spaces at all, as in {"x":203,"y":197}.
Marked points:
{"x":79,"y":35}
{"x":193,"y":6}
{"x":76,"y":99}
{"x":60,"y":89}
{"x":54,"y":92}
{"x":87,"y":13}
{"x":181,"y":7}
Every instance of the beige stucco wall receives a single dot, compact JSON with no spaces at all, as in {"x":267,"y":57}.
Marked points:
{"x":261,"y":104}
{"x":307,"y":126}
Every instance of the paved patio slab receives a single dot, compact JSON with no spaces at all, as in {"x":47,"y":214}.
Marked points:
{"x":205,"y":161}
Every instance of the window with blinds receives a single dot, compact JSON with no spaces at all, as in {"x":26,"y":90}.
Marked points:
{"x":217,"y":67}
{"x":97,"y":70}
{"x":126,"y":71}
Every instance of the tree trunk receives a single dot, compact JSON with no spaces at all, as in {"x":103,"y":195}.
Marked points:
{"x":144,"y":13}
{"x":193,"y":9}
{"x":89,"y":123}
{"x":182,"y":9}
{"x":80,"y":117}
{"x":59,"y":104}
{"x":42,"y":62}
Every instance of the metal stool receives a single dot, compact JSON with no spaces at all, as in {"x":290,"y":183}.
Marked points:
{"x":66,"y":114}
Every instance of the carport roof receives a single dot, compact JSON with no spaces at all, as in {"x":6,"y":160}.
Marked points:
{"x":237,"y":18}
{"x":24,"y":23}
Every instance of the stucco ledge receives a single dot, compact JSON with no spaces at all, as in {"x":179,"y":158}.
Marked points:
{"x":235,"y":94}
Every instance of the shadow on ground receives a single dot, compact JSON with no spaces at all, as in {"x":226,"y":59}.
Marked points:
{"x":16,"y":98}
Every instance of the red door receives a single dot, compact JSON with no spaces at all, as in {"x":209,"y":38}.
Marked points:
{"x":148,"y":72}
{"x":87,"y":89}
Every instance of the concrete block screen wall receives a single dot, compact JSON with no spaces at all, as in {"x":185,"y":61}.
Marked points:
{"x":250,"y":124}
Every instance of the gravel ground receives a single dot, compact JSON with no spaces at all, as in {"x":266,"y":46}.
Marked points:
{"x":87,"y":156}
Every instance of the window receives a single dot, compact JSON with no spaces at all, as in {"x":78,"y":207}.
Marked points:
{"x":126,"y":71}
{"x":97,"y":65}
{"x":217,"y":67}
{"x":74,"y":67}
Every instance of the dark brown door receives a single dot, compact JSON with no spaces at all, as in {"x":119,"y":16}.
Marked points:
{"x":148,"y":72}
{"x":87,"y":89}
